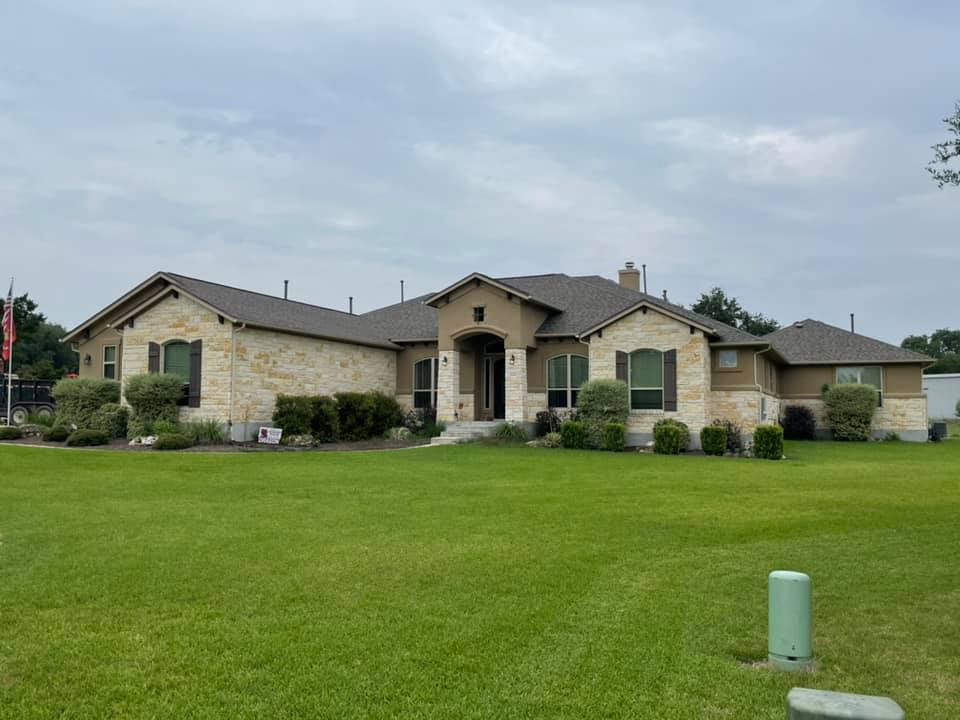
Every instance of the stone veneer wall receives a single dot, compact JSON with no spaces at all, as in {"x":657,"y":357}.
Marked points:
{"x":905,"y":416}
{"x":739,"y":406}
{"x":269,"y":363}
{"x":405,"y":401}
{"x":515,"y":384}
{"x":448,"y":385}
{"x":535,"y":403}
{"x":183,"y":319}
{"x":659,"y":332}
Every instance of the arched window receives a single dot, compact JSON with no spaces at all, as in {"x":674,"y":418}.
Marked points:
{"x":425,"y":383}
{"x":176,"y":360}
{"x":646,"y":380}
{"x":565,"y":375}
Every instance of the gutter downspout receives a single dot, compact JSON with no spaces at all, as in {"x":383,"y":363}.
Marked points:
{"x":759,"y":385}
{"x":233,"y":364}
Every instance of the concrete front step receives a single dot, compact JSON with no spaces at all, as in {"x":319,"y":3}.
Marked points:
{"x":466,"y":431}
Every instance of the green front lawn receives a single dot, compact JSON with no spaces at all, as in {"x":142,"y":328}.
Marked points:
{"x":469,"y":582}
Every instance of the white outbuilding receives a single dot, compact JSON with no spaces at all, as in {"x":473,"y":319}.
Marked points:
{"x":943,"y":394}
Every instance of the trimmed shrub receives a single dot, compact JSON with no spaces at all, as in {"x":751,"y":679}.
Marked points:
{"x":153,"y":397}
{"x":667,"y":439}
{"x":293,"y":414}
{"x":548,"y":421}
{"x":46,"y":419}
{"x":551,"y":440}
{"x":734,"y":435}
{"x":137,"y":427}
{"x":600,"y":402}
{"x":10,"y":432}
{"x":511,"y":432}
{"x":172,"y":441}
{"x":849,"y":411}
{"x":799,"y":423}
{"x":614,"y":437}
{"x":682,"y":427}
{"x":57,"y":433}
{"x":573,"y":435}
{"x":87,"y":438}
{"x":366,"y":415}
{"x":111,"y":419}
{"x":78,"y":399}
{"x":713,"y":439}
{"x":768,"y":442}
{"x":325,"y":422}
{"x":204,"y":432}
{"x":165,"y":427}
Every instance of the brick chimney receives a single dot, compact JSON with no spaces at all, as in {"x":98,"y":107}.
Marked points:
{"x":630,"y":276}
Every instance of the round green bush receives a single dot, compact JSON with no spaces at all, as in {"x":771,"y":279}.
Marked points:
{"x":154,"y":396}
{"x":713,"y":439}
{"x":681,"y":427}
{"x":172,"y":441}
{"x":85,"y":438}
{"x":667,"y":439}
{"x":57,"y":433}
{"x":293,"y":414}
{"x":79,"y":398}
{"x":768,"y":442}
{"x":325,"y":422}
{"x":165,"y":427}
{"x":799,"y":423}
{"x":849,"y":411}
{"x":10,"y":433}
{"x":112,"y":419}
{"x":573,"y":435}
{"x":614,"y":437}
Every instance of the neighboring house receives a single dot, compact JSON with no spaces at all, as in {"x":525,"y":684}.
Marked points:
{"x":943,"y":394}
{"x":488,"y":349}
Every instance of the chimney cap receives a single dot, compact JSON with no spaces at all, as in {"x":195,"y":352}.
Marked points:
{"x":630,"y":264}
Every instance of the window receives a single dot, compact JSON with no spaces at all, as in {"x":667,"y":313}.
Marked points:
{"x":478,"y":313}
{"x":728,"y":359}
{"x":646,"y":380}
{"x":425,"y":383}
{"x":110,"y":362}
{"x":565,"y":375}
{"x":176,"y":361}
{"x":868,"y":375}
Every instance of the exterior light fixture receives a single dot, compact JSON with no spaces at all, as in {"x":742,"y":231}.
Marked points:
{"x":87,"y":359}
{"x":444,"y":360}
{"x":513,"y":359}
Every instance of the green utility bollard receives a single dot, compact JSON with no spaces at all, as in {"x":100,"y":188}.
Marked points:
{"x":790,"y":628}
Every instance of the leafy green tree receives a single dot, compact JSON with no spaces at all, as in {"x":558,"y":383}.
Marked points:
{"x":718,"y":305}
{"x":943,"y":345}
{"x":917,"y":343}
{"x":945,"y":151}
{"x":38,"y":353}
{"x":949,"y":363}
{"x":944,"y":341}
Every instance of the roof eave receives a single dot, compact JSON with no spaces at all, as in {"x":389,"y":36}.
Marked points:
{"x":639,"y":306}
{"x":385,"y":345}
{"x":71,"y":335}
{"x":527,"y":297}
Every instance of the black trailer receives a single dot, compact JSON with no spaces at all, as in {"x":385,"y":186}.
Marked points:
{"x":29,"y":396}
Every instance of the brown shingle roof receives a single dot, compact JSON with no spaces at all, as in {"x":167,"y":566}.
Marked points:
{"x":814,"y":342}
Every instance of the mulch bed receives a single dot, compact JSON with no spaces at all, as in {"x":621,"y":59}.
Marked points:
{"x":239,"y":447}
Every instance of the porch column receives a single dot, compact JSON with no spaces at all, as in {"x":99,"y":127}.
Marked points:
{"x":448,"y":385}
{"x":515,"y":384}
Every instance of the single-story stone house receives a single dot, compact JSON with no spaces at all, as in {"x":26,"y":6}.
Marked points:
{"x":488,"y":349}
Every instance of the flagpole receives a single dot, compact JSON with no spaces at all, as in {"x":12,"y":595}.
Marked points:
{"x":10,"y":359}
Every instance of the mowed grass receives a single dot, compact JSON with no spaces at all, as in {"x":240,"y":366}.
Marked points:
{"x":470,"y":582}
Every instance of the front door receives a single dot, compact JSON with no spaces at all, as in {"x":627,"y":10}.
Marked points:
{"x":499,"y":388}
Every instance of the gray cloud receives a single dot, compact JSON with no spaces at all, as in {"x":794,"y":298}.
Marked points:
{"x":777,"y":151}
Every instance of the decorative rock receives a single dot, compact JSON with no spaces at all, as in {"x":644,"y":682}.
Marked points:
{"x":399,"y":433}
{"x":807,"y":704}
{"x":300,"y":441}
{"x":29,"y":430}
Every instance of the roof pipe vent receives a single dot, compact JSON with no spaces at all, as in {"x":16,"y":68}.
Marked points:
{"x":351,"y":304}
{"x":851,"y":323}
{"x":644,"y":278}
{"x":286,"y":284}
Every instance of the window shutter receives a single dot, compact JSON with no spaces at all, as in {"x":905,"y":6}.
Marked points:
{"x":153,"y":357}
{"x":622,"y":359}
{"x":670,"y":380}
{"x":196,"y":353}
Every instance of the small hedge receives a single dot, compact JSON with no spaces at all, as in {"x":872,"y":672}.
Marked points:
{"x":667,"y":439}
{"x":713,"y":439}
{"x":111,"y":419}
{"x":849,"y":410}
{"x":681,"y":427}
{"x":87,"y":438}
{"x":768,"y":442}
{"x":153,"y":397}
{"x":511,"y":432}
{"x":600,"y":402}
{"x":293,"y":414}
{"x":172,"y":441}
{"x":614,"y":437}
{"x":573,"y":435}
{"x":10,"y":432}
{"x":165,"y":427}
{"x":799,"y":423}
{"x":734,"y":435}
{"x":78,"y":399}
{"x":365,"y":415}
{"x":325,"y":422}
{"x":57,"y":433}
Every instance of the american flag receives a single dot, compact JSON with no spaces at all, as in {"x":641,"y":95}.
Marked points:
{"x":9,"y":326}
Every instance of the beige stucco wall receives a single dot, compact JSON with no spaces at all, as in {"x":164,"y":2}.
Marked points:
{"x":739,"y":377}
{"x":537,"y":360}
{"x":406,"y":359}
{"x":659,"y":332}
{"x":511,"y":319}
{"x":93,"y":347}
{"x":904,"y":380}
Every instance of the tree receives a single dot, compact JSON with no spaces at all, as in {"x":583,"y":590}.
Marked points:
{"x":917,"y":343}
{"x":38,"y":353}
{"x":718,"y":305}
{"x":945,"y":151}
{"x":943,"y":345}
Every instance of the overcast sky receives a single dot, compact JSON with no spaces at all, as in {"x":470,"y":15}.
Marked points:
{"x":775,"y":149}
